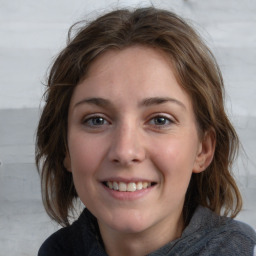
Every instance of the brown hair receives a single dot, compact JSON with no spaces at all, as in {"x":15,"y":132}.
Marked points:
{"x":196,"y":71}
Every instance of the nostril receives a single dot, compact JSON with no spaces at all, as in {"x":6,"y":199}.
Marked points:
{"x":126,"y":152}
{"x":116,"y":161}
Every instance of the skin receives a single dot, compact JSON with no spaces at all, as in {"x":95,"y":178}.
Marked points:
{"x":130,"y":120}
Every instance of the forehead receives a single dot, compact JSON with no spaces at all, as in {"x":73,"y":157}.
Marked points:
{"x":138,"y":71}
{"x":139,"y":55}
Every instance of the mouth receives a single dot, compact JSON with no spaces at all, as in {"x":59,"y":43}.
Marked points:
{"x":129,"y":186}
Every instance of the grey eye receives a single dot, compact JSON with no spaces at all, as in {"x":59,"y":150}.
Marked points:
{"x":160,"y":120}
{"x":95,"y":121}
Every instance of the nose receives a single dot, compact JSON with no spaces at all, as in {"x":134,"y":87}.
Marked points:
{"x":127,"y":146}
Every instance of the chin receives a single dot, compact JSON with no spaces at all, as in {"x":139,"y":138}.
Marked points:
{"x":127,"y":223}
{"x":129,"y":228}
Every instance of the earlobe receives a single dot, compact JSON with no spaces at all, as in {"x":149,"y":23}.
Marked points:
{"x":205,"y":152}
{"x":67,"y":162}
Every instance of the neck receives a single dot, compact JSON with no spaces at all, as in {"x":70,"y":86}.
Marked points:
{"x":142,"y":243}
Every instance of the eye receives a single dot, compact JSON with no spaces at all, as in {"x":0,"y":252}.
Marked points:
{"x":95,"y":121}
{"x":161,"y":121}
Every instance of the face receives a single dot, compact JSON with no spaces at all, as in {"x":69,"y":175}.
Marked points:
{"x":133,"y":141}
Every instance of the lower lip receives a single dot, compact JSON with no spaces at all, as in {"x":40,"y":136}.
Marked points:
{"x":128,"y":195}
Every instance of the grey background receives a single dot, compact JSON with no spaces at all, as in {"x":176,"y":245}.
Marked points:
{"x":33,"y":32}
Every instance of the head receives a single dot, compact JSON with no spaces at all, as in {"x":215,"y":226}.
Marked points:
{"x":196,"y":71}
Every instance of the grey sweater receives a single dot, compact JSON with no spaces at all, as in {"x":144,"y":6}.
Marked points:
{"x":206,"y":235}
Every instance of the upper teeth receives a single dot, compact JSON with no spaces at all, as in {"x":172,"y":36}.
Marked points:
{"x":130,"y":187}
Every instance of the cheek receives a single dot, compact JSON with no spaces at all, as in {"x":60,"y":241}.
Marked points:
{"x":85,"y":155}
{"x":175,"y":160}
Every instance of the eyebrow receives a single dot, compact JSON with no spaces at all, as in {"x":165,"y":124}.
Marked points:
{"x":101,"y":102}
{"x":95,"y":101}
{"x":161,"y":100}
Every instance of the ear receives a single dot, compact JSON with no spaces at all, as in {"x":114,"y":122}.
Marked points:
{"x":67,"y":162}
{"x":205,"y":151}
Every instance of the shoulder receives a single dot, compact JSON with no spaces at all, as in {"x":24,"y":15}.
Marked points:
{"x":80,"y":238}
{"x":239,"y":233}
{"x":68,"y":241}
{"x":60,"y":243}
{"x":233,"y":229}
{"x":238,"y":227}
{"x":205,"y":219}
{"x":226,"y":236}
{"x":55,"y":244}
{"x":233,"y":238}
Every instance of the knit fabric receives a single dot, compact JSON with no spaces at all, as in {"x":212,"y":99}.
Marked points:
{"x":206,"y":235}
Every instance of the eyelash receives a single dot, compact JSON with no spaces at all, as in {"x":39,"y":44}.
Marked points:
{"x":167,"y":121}
{"x":90,"y":121}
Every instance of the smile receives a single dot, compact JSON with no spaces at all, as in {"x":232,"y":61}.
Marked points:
{"x":128,"y":187}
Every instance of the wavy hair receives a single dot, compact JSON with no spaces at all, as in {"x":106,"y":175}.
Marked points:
{"x":196,"y":71}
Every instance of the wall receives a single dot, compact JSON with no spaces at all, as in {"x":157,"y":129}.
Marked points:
{"x":32,"y":33}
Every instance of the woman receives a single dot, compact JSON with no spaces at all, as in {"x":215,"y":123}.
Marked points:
{"x":134,"y":126}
